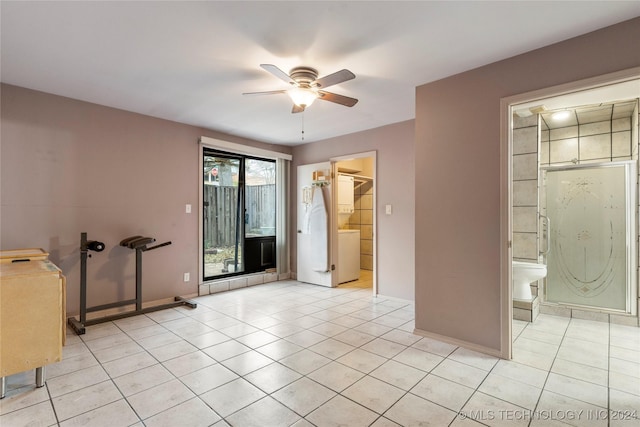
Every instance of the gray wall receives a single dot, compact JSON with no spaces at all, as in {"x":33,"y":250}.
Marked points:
{"x":457,"y":155}
{"x":395,"y":185}
{"x":69,"y":166}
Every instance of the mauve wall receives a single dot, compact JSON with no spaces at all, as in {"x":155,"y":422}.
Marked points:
{"x":395,"y":185}
{"x":457,"y":153}
{"x":69,"y":166}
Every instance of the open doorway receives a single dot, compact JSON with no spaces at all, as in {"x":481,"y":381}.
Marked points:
{"x":355,"y":220}
{"x":535,"y":148}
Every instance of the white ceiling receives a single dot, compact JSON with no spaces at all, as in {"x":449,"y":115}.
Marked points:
{"x":191,"y":61}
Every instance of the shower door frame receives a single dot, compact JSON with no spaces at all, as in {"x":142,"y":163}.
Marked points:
{"x":631,"y":236}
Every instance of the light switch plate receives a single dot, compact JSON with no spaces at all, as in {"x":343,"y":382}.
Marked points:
{"x":387,"y":209}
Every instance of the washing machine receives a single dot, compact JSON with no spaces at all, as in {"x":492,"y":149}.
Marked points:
{"x":348,"y":255}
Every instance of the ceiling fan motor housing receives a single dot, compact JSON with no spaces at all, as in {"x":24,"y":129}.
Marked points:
{"x":303,"y":75}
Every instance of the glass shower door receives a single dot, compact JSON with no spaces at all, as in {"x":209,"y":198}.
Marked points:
{"x":589,"y":209}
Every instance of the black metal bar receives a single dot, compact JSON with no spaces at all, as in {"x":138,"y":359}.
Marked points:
{"x":111,"y":305}
{"x":78,"y":327}
{"x":83,"y":277}
{"x":156,"y":246}
{"x":118,"y":316}
{"x":139,"y":279}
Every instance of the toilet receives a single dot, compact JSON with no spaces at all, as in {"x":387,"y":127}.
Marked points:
{"x":523,"y":274}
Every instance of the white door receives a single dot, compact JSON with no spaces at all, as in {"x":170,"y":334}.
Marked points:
{"x":314,"y":243}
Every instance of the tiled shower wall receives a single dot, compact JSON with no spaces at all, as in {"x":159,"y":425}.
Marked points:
{"x":362,"y":219}
{"x":525,"y":188}
{"x":606,"y":141}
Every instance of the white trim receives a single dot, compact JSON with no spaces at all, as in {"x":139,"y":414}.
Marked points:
{"x":459,"y":343}
{"x":242,"y":149}
{"x":506,"y":104}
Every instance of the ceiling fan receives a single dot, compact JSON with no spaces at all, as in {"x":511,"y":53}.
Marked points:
{"x":307,"y":87}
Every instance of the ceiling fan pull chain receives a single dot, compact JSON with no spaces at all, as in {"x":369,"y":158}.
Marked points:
{"x":302,"y":125}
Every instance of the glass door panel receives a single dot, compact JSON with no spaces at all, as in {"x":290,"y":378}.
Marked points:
{"x":223,"y":208}
{"x":587,"y":264}
{"x":260,"y":203}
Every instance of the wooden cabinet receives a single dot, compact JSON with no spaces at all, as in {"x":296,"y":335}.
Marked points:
{"x":32,"y":312}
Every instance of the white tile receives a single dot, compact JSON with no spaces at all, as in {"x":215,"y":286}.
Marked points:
{"x":487,"y":409}
{"x":305,"y":338}
{"x":116,"y":414}
{"x":265,"y":412}
{"x":522,"y":373}
{"x":553,"y":403}
{"x":76,"y":380}
{"x":176,"y":349}
{"x":626,"y":383}
{"x":188,"y":363}
{"x":422,"y":360}
{"x":342,"y":412}
{"x":305,"y":361}
{"x":247,"y":362}
{"x":383,"y":347}
{"x":159,"y":398}
{"x":412,"y":410}
{"x":434,"y":346}
{"x":226,"y":350}
{"x":362,"y":360}
{"x":22,"y":397}
{"x":284,"y":329}
{"x":232,"y":396}
{"x":398,"y":374}
{"x":580,"y":372}
{"x":303,"y":396}
{"x":625,"y":353}
{"x":443,"y":392}
{"x":621,"y":401}
{"x":272,"y":377}
{"x":336,"y":376}
{"x":626,"y":367}
{"x":474,"y":358}
{"x":523,"y":395}
{"x":331,"y":348}
{"x":460,"y":373}
{"x":279,"y":349}
{"x":577,"y":389}
{"x":354,"y":337}
{"x":207,"y":340}
{"x":142,"y":379}
{"x":84,"y":400}
{"x":374,"y":394}
{"x":192,"y":413}
{"x":563,"y":150}
{"x":257,"y":339}
{"x":208,"y":378}
{"x":42,"y":413}
{"x":329,"y":329}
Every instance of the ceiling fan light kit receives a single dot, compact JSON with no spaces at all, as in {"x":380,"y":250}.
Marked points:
{"x":307,"y":86}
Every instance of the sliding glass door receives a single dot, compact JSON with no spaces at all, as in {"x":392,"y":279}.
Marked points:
{"x":239,"y":214}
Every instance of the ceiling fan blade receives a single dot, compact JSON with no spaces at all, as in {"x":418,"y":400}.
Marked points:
{"x":338,"y":99}
{"x":278,"y":73}
{"x":297,"y":109}
{"x":270,"y":92}
{"x":333,"y":79}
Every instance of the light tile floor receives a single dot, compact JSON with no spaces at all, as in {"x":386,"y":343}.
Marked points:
{"x":288,"y":353}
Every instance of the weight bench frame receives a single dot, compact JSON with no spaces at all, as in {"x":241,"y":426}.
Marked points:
{"x":139,"y":244}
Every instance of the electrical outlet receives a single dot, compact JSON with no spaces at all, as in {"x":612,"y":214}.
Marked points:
{"x":387,"y":209}
{"x":187,"y":208}
{"x":187,"y":277}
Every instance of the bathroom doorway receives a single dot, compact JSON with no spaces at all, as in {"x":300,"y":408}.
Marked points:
{"x":530,"y":150}
{"x":354,"y":222}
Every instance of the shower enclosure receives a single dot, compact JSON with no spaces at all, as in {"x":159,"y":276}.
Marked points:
{"x":591,"y":235}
